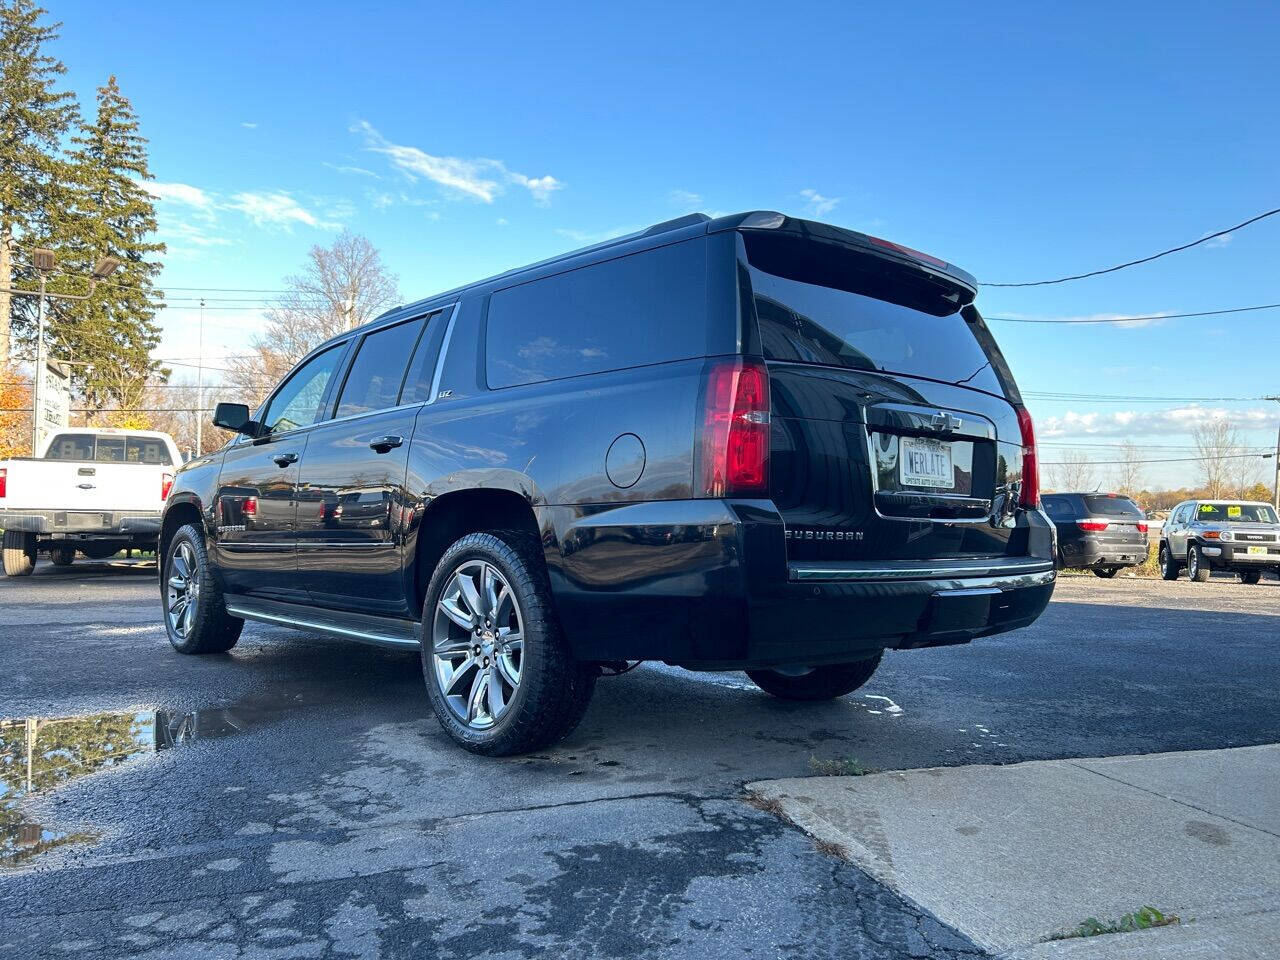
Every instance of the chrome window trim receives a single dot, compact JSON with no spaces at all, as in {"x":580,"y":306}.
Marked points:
{"x":444,"y":350}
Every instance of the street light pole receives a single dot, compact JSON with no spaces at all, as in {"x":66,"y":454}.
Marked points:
{"x":37,"y":408}
{"x":200,"y":387}
{"x":1275,"y":481}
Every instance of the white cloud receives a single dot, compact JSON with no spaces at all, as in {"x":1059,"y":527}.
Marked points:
{"x":684,"y":198}
{"x":248,"y":126}
{"x":1221,"y":241}
{"x":480,"y":178}
{"x":595,"y":236}
{"x":183,"y":193}
{"x":503,"y":222}
{"x":816,"y":203}
{"x":1132,"y":423}
{"x":352,"y":170}
{"x":276,"y":208}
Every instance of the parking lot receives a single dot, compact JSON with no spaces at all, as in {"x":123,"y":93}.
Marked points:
{"x":303,"y":802}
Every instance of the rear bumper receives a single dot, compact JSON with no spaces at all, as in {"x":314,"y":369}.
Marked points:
{"x":1086,"y":553}
{"x":82,"y":524}
{"x":705,"y":584}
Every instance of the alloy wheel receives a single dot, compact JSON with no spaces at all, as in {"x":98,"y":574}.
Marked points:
{"x":183,"y":595}
{"x":477,"y":644}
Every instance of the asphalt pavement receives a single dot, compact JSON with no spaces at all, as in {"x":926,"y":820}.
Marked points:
{"x":295,"y":798}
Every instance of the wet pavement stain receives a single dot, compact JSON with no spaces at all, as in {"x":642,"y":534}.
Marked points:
{"x":40,"y":754}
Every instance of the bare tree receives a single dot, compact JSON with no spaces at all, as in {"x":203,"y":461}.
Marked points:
{"x":1218,"y":444}
{"x":342,"y":286}
{"x":1074,"y":471}
{"x":1129,"y":469}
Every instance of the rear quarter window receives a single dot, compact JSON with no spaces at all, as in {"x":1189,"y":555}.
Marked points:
{"x":641,"y":309}
{"x":1059,"y":508}
{"x":1112,"y":507}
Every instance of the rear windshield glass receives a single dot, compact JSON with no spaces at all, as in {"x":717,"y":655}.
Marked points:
{"x":1112,"y":506}
{"x":645,"y":308}
{"x":109,"y":448}
{"x":823,"y":303}
{"x":1235,"y":513}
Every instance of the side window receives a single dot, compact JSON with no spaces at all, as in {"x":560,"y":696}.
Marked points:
{"x":297,"y":403}
{"x":648,"y":307}
{"x":71,"y":446}
{"x":378,"y":369}
{"x":1058,"y":508}
{"x":422,"y":368}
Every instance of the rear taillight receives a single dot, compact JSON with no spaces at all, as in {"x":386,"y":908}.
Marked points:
{"x":1142,"y":528}
{"x":1092,"y":525}
{"x":1030,"y":497}
{"x":734,"y":452}
{"x":250,"y":507}
{"x":166,"y":484}
{"x":4,"y":481}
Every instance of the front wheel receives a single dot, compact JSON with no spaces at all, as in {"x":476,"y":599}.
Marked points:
{"x":1106,"y":573}
{"x":195,"y":614}
{"x":1168,"y":566}
{"x":1250,"y":576}
{"x":816,"y":683}
{"x":499,"y":673}
{"x":1197,"y":569}
{"x":19,"y":553}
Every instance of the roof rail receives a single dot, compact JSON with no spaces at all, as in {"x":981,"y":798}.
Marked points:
{"x":688,"y":220}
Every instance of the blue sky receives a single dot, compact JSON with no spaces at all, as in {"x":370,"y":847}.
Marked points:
{"x":1021,"y":142}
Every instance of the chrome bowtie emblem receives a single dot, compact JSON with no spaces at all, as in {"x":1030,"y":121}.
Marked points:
{"x":945,"y":421}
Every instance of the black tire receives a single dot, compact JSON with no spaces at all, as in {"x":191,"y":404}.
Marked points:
{"x":211,"y":629}
{"x":553,"y":690}
{"x":1250,"y":576}
{"x":1169,"y":567}
{"x":1106,"y":573}
{"x":819,"y":683}
{"x":102,"y":550}
{"x":19,"y":553}
{"x":1198,"y":568}
{"x":62,"y":556}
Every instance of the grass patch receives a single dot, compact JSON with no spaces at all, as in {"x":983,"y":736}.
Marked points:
{"x":830,"y":849}
{"x":768,"y":804}
{"x":840,"y":767}
{"x":1144,"y":919}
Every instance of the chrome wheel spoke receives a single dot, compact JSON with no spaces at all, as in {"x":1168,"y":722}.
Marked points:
{"x":450,"y":608}
{"x":450,"y":686}
{"x":177,"y":582}
{"x":489,"y":587}
{"x":510,"y":672}
{"x":470,"y":595}
{"x":496,"y":696}
{"x":475,"y":700}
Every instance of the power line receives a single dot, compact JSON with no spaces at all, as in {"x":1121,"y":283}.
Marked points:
{"x":1119,"y":398}
{"x":1154,"y":316}
{"x":1105,"y":463}
{"x":1134,"y":263}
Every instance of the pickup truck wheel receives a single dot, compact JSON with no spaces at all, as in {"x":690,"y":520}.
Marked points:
{"x":1169,"y":567}
{"x":195,"y":613}
{"x":19,"y":553}
{"x":817,"y":683}
{"x":499,"y":672}
{"x":62,"y":556}
{"x":1197,"y":569}
{"x":1250,"y":576}
{"x":1106,"y":573}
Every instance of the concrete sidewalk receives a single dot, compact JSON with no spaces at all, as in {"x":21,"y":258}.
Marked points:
{"x":1011,"y":854}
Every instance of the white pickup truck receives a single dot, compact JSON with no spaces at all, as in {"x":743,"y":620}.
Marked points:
{"x":95,"y":490}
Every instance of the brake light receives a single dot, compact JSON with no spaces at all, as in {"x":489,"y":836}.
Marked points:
{"x":1030,"y":497}
{"x":4,"y":481}
{"x":899,"y":248}
{"x":166,"y":484}
{"x":734,"y":455}
{"x":1092,"y":525}
{"x":249,"y":508}
{"x":1142,"y":528}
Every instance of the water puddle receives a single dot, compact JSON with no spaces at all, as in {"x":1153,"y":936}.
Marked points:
{"x":40,"y":754}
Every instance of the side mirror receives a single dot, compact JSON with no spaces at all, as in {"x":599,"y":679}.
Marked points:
{"x":235,"y":417}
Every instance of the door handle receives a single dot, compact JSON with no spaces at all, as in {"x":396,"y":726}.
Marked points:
{"x":385,"y":444}
{"x":284,"y":459}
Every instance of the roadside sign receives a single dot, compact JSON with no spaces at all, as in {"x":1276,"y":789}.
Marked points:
{"x":55,"y":399}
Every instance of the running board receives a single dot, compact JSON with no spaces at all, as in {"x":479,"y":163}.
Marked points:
{"x":363,"y":627}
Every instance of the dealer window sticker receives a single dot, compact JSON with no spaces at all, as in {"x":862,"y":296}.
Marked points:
{"x":1233,"y":511}
{"x":1206,"y":508}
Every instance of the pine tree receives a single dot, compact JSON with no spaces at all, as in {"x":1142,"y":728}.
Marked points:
{"x":114,"y":330}
{"x":34,"y":117}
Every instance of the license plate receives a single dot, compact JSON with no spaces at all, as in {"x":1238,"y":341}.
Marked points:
{"x":1257,"y":551}
{"x":925,"y":463}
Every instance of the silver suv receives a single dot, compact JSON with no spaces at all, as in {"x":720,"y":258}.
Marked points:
{"x":1208,"y":535}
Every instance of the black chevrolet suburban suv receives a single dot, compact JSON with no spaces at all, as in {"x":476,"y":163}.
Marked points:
{"x":751,"y":443}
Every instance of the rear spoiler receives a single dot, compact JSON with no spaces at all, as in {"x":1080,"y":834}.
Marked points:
{"x":875,"y":246}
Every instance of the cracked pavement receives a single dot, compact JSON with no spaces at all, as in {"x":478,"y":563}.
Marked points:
{"x":330,"y":817}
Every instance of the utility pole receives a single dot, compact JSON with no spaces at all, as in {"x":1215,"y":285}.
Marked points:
{"x":200,"y":387}
{"x":37,"y":408}
{"x":1275,"y":481}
